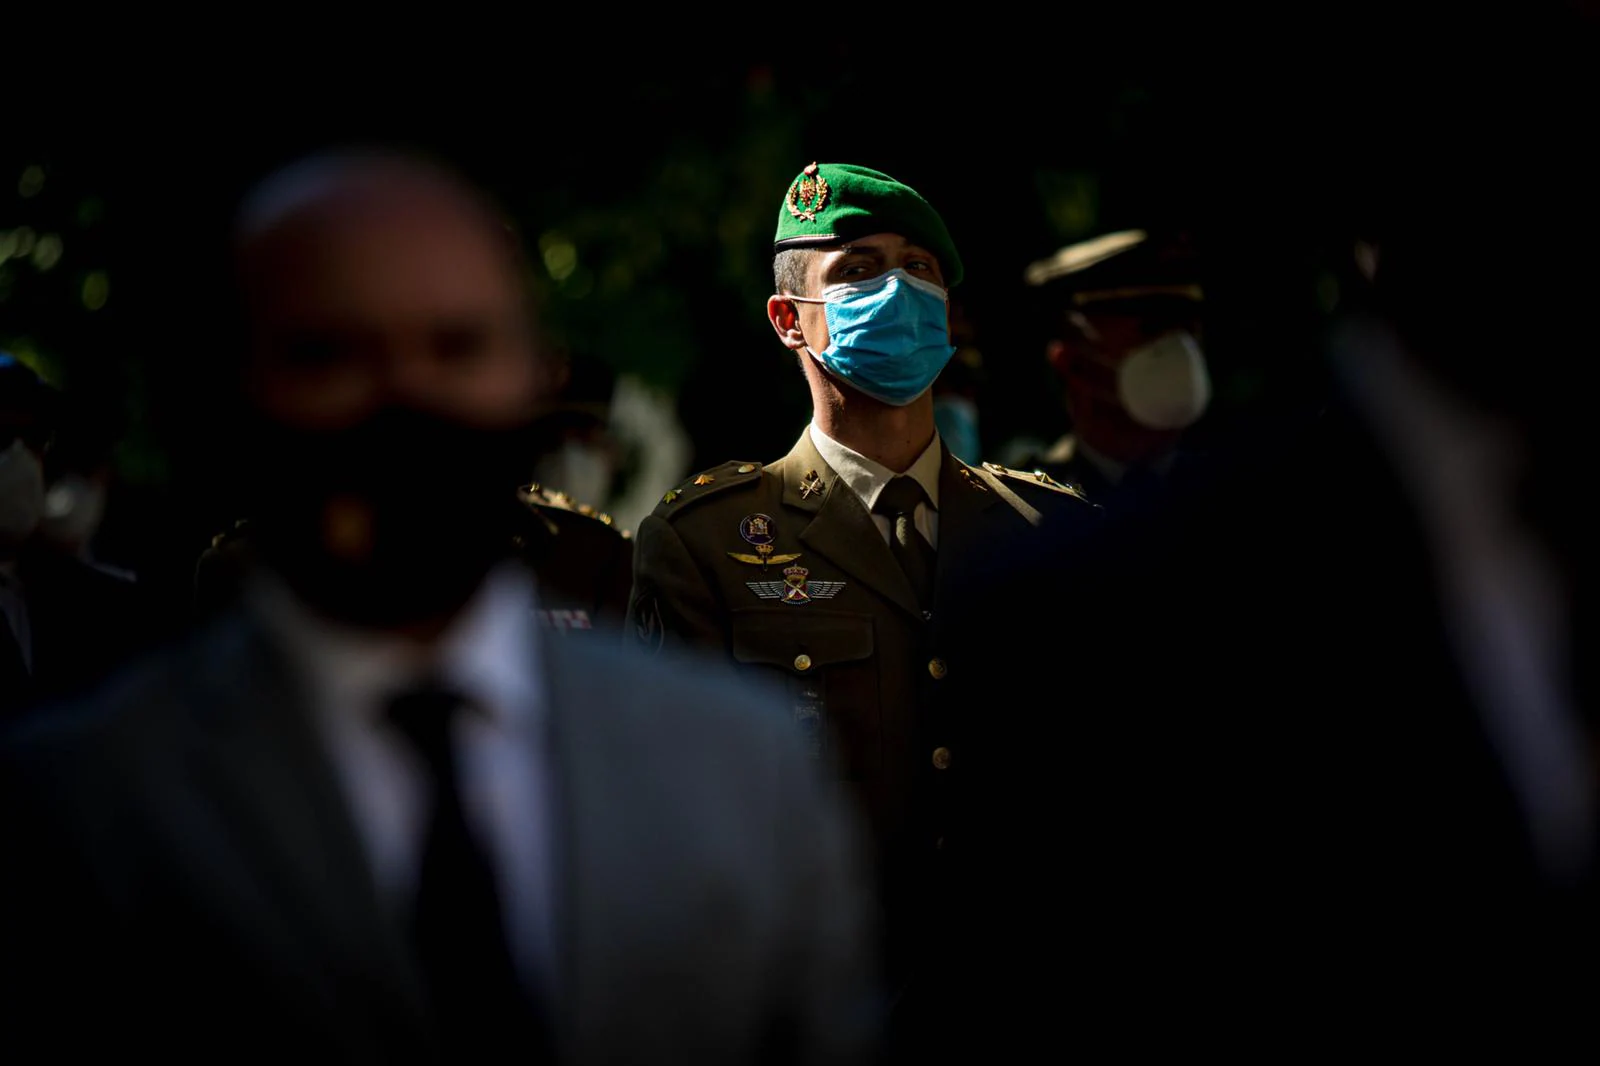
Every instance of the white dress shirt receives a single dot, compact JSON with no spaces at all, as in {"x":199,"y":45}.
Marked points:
{"x":867,"y":479}
{"x":491,"y":654}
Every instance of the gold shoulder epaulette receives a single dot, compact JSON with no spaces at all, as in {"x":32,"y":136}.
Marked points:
{"x":232,"y":533}
{"x":1035,"y":477}
{"x":544,"y":496}
{"x":537,"y":495}
{"x":707,"y":483}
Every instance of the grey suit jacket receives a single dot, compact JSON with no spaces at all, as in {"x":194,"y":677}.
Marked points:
{"x":182,"y":876}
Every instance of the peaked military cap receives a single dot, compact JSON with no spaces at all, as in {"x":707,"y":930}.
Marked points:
{"x":831,"y":202}
{"x":1127,"y":265}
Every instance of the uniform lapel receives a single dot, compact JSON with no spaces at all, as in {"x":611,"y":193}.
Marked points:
{"x":841,"y":530}
{"x":964,"y":496}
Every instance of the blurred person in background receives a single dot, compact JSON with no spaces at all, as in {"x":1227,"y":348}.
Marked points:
{"x":375,"y":811}
{"x":613,"y":440}
{"x":68,"y":621}
{"x":81,"y":476}
{"x":1339,"y":770}
{"x":1125,"y":319}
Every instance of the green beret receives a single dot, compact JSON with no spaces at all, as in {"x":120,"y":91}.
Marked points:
{"x":831,"y":202}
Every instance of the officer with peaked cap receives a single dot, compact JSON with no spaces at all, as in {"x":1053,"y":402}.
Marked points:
{"x":842,"y":567}
{"x":1123,"y":316}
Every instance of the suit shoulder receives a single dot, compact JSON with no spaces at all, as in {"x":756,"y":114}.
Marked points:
{"x":561,"y":512}
{"x":130,"y":715}
{"x":1037,"y":481}
{"x":716,"y":481}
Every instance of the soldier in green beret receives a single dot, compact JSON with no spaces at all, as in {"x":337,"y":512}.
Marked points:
{"x":838,"y":566}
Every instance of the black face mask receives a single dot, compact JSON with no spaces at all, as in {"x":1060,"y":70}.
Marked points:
{"x":434,"y":502}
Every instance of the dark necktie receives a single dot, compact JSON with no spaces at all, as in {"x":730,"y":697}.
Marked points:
{"x":456,"y":922}
{"x":898,"y":502}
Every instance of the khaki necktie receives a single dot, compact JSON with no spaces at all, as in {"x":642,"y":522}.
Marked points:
{"x":898,"y":502}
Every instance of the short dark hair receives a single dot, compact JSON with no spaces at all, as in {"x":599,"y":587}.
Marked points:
{"x":789,"y":270}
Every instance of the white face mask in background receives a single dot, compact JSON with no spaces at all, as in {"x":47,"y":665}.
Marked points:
{"x":580,"y":470}
{"x":73,"y":508}
{"x":1165,"y":384}
{"x":21,"y":495}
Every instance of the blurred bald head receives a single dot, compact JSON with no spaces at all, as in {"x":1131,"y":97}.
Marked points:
{"x":392,"y":378}
{"x":374,"y":278}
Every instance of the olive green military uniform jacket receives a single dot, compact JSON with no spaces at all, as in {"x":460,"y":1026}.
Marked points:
{"x":876,"y":681}
{"x":582,"y":559}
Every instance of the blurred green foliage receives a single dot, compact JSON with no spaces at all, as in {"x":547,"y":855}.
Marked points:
{"x":647,"y":192}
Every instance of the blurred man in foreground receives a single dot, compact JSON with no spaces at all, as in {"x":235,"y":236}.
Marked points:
{"x":378,"y":813}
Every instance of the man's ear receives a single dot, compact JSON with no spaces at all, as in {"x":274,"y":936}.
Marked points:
{"x":784,"y":314}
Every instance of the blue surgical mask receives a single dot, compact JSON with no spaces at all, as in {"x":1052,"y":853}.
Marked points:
{"x":889,"y":335}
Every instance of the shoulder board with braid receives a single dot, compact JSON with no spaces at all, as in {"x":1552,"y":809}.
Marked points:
{"x":705,"y":484}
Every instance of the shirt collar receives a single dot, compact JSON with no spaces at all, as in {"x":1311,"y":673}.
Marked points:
{"x":867,"y":477}
{"x":490,"y":652}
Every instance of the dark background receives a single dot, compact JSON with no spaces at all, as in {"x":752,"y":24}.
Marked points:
{"x":646,"y":175}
